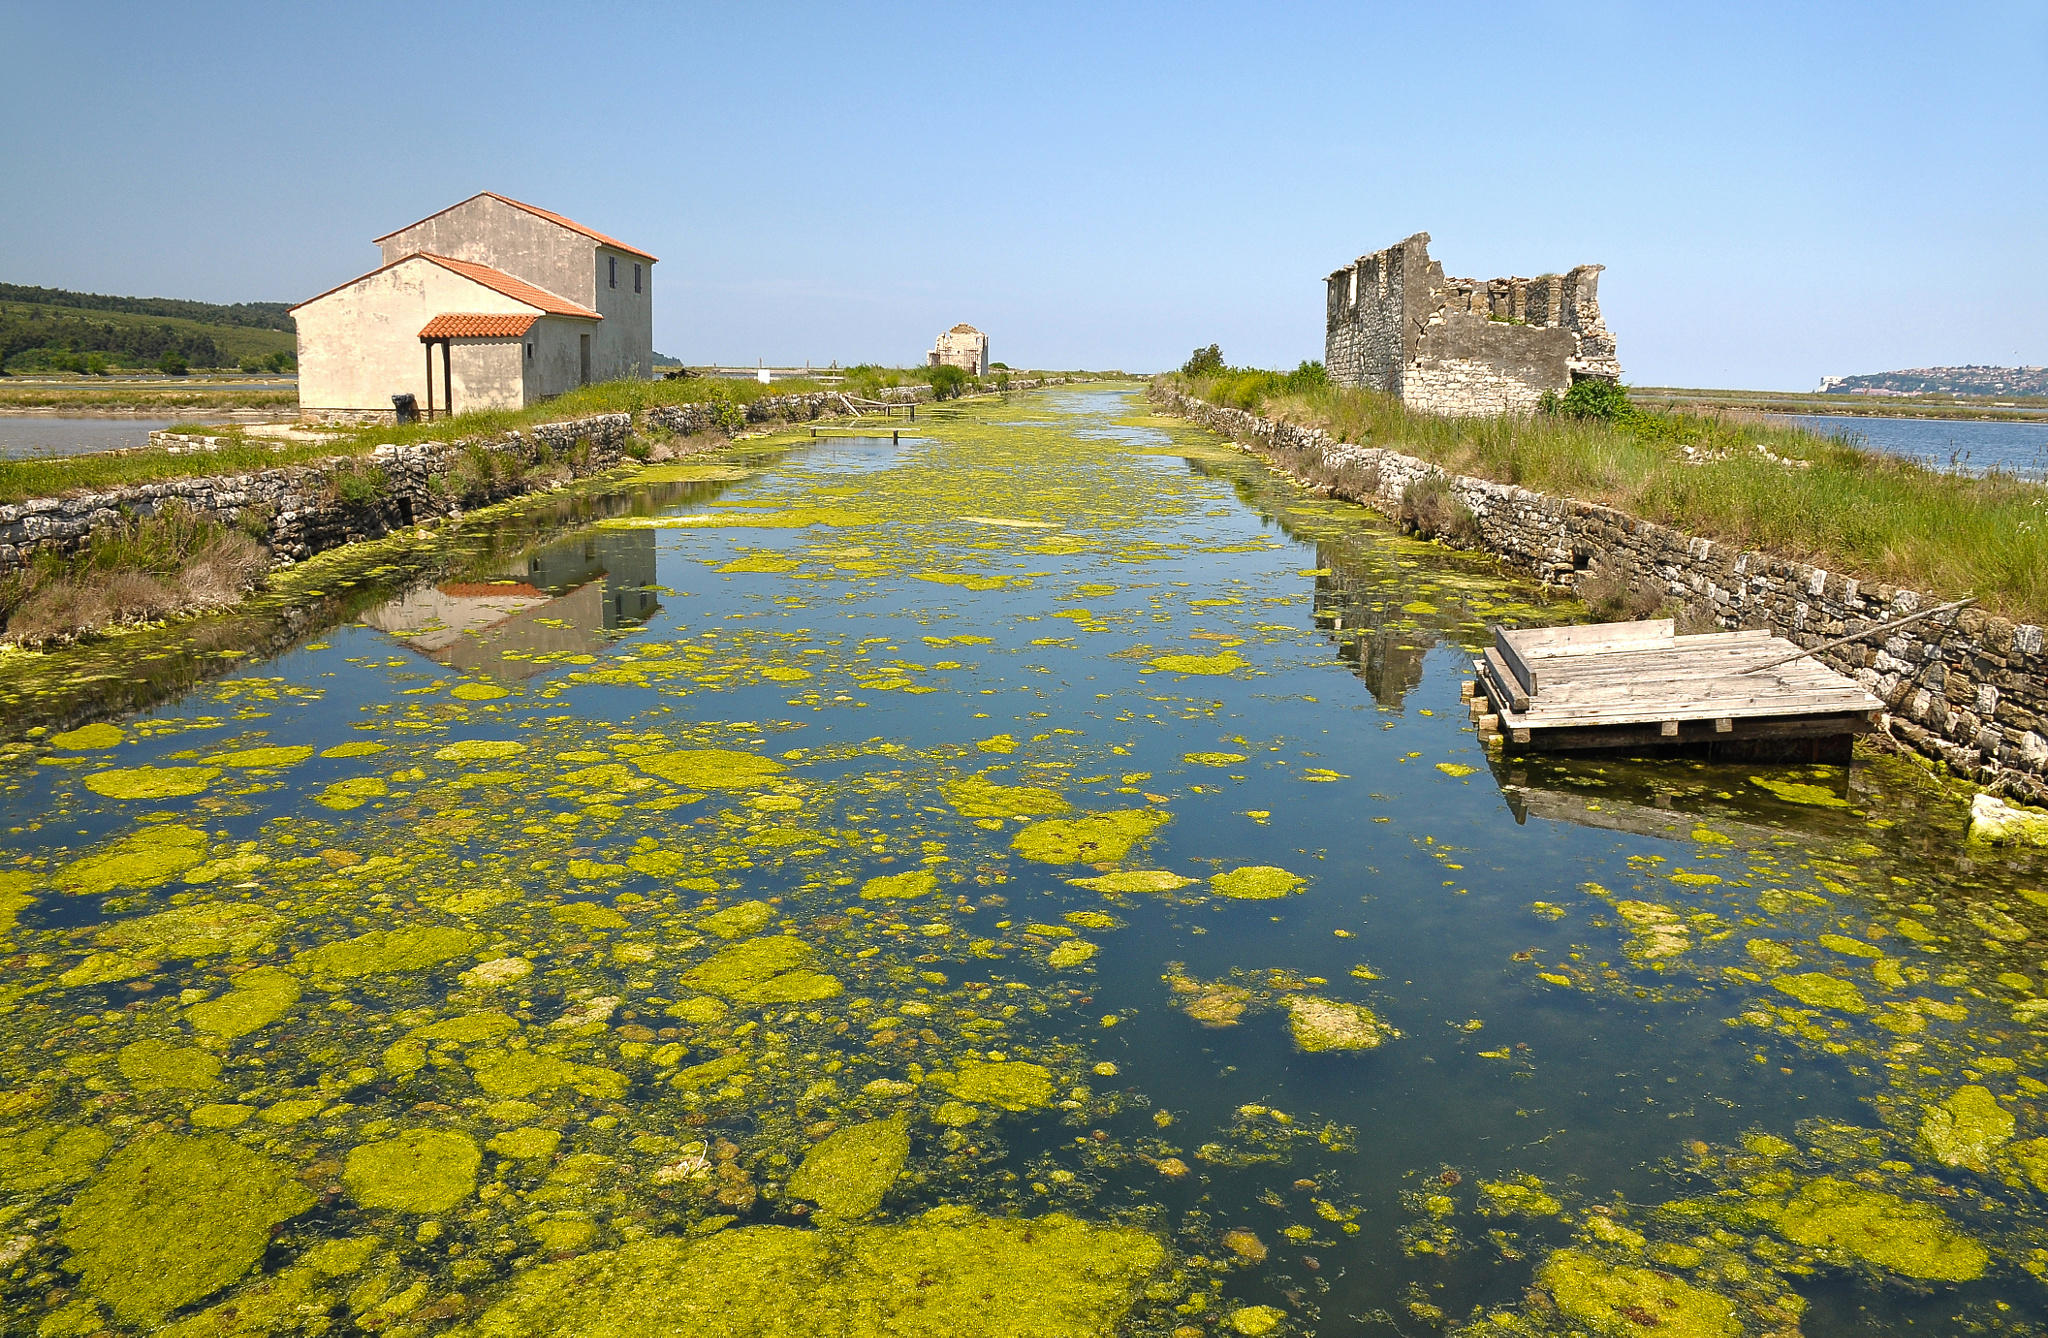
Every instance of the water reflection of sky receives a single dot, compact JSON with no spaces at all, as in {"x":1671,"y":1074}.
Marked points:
{"x":1973,"y":445}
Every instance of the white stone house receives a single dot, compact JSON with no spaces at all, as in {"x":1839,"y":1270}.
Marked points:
{"x":964,"y":347}
{"x":489,"y":304}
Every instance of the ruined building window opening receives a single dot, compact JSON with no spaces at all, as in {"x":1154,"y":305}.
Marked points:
{"x":636,"y":277}
{"x":1351,"y":299}
{"x":613,"y":262}
{"x":529,"y":353}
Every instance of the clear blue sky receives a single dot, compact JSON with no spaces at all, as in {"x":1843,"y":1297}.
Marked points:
{"x":1778,"y":191}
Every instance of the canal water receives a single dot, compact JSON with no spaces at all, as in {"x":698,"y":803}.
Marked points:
{"x":28,"y":436}
{"x":1035,"y":877}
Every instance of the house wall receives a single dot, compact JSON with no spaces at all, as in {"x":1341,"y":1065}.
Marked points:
{"x":359,"y":345}
{"x":492,"y":233}
{"x":622,"y":346}
{"x":488,"y":373}
{"x":554,"y":366}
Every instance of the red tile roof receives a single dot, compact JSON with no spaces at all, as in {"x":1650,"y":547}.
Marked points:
{"x":552,"y":217}
{"x":478,"y":325}
{"x":518,"y":290}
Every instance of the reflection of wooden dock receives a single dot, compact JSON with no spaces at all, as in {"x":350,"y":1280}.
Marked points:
{"x":1623,"y":685}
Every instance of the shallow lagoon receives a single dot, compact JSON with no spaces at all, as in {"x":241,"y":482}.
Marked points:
{"x":1035,"y":877}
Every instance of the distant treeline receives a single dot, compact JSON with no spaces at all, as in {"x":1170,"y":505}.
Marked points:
{"x":255,"y":315}
{"x":64,"y":340}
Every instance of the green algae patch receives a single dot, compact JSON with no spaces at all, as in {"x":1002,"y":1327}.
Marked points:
{"x":527,"y":1143}
{"x":1821,"y":990}
{"x":950,"y":1273}
{"x":44,"y":1159}
{"x":710,"y":768}
{"x":250,"y":759}
{"x":202,"y":929}
{"x":148,"y":858}
{"x":847,"y":1174}
{"x":737,"y":921}
{"x":519,"y":1073}
{"x":478,"y":692}
{"x":382,"y":951}
{"x":1257,"y":882}
{"x":422,"y":1171}
{"x":1219,"y":664}
{"x":88,"y":738}
{"x":1099,"y":838}
{"x":1133,"y":882}
{"x":1326,"y":1024}
{"x":1798,"y":792}
{"x":151,"y":1065}
{"x":976,"y":797}
{"x":260,"y":997}
{"x":356,"y":748}
{"x":1609,"y":1299}
{"x":151,"y":782}
{"x":344,"y":795}
{"x":1071,"y":953}
{"x":1521,"y":1197}
{"x":174,"y":1218}
{"x":900,"y":886}
{"x":1844,"y":1222}
{"x":1656,"y":932}
{"x":1011,"y":1084}
{"x":1967,"y":1129}
{"x":1256,"y":1321}
{"x":764,"y":970}
{"x":479,"y":750}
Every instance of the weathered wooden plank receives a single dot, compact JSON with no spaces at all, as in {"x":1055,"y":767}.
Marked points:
{"x":1502,"y":675}
{"x":1545,"y":641}
{"x":1652,"y":713}
{"x":1517,"y":666}
{"x":1842,"y":726}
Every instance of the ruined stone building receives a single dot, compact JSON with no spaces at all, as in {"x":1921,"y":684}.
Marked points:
{"x":964,"y":347}
{"x":1462,"y":346}
{"x":489,"y":304}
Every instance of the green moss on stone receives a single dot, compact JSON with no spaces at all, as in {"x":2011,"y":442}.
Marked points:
{"x":260,"y":997}
{"x":174,"y":1218}
{"x":386,"y":950}
{"x":847,"y":1174}
{"x":1256,"y":882}
{"x":1012,"y":1084}
{"x":148,"y":858}
{"x":1967,"y":1129}
{"x":1099,"y":838}
{"x":421,"y":1171}
{"x":1327,"y":1024}
{"x":947,"y":1274}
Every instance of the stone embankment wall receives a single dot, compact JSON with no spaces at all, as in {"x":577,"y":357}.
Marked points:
{"x":1970,"y":689}
{"x":307,"y":509}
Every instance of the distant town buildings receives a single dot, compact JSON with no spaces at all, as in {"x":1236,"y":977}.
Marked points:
{"x":1395,"y":324}
{"x":489,"y":304}
{"x":964,"y":347}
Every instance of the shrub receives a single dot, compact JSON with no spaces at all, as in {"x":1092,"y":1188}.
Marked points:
{"x":172,"y":363}
{"x":1591,"y":397}
{"x":949,"y":382}
{"x":1204,"y":362}
{"x":1429,"y":508}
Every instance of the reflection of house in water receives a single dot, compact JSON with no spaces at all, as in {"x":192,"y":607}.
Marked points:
{"x":563,"y":599}
{"x":1355,"y":612}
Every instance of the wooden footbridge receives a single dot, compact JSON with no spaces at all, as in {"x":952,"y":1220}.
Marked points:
{"x":1626,"y":685}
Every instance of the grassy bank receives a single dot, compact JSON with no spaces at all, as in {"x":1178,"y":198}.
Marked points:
{"x":1803,"y":495}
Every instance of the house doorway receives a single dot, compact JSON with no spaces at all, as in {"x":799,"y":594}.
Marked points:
{"x":583,"y":360}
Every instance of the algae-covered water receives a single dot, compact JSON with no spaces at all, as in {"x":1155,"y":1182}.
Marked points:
{"x":1035,"y":878}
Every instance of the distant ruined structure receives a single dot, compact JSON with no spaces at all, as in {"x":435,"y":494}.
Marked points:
{"x":1463,"y":346}
{"x":964,"y":347}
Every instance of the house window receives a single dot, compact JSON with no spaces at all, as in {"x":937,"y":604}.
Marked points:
{"x":613,"y":261}
{"x":636,"y":276}
{"x":529,"y":353}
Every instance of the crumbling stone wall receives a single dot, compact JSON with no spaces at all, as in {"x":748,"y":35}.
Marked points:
{"x":1970,"y":690}
{"x":1394,"y":323}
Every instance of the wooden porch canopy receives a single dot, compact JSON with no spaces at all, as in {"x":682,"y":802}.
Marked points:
{"x":449,"y":326}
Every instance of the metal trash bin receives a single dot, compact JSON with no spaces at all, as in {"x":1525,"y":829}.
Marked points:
{"x":407,"y":407}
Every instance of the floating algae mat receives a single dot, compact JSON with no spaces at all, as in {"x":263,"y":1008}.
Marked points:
{"x":1029,"y":877}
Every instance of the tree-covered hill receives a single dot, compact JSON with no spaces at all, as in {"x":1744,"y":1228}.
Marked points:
{"x":51,"y":329}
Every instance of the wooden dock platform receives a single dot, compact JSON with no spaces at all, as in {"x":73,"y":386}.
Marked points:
{"x":1626,"y":685}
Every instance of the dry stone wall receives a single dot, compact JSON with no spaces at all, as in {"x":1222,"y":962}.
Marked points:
{"x":1969,"y":689}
